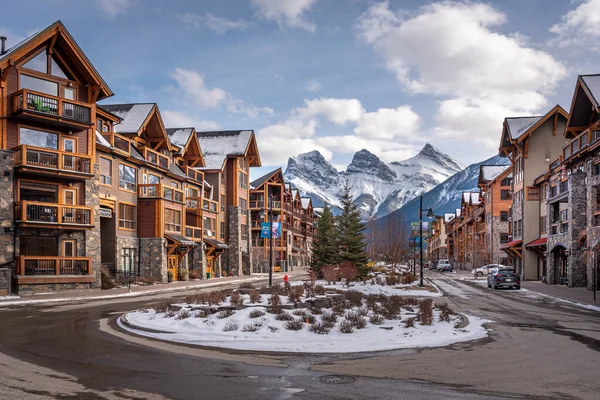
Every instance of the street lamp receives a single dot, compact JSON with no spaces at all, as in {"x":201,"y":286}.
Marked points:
{"x":430,"y":214}
{"x":262,"y":215}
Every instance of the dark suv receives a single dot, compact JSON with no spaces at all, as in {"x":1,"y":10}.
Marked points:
{"x":503,"y":277}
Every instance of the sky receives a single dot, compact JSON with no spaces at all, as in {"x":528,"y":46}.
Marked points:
{"x":335,"y":76}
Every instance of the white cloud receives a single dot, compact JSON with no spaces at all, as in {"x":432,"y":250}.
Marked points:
{"x":112,"y":8}
{"x":216,"y":24}
{"x":275,"y":150}
{"x":291,"y":128}
{"x":286,"y":12}
{"x":193,"y":85}
{"x":451,"y":50}
{"x":313,"y":86}
{"x":579,"y":26}
{"x":388,"y":123}
{"x":177,"y":119}
{"x":338,"y":111}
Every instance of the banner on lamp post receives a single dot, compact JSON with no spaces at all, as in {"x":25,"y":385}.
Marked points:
{"x":276,"y":228}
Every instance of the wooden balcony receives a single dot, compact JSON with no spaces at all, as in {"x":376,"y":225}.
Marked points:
{"x":580,"y":143}
{"x":159,"y":191}
{"x":53,"y":215}
{"x":210,"y":206}
{"x":37,"y":265}
{"x":41,"y":107}
{"x":194,"y":174}
{"x":193,"y":204}
{"x":194,"y":233}
{"x":52,"y":161}
{"x":154,"y":157}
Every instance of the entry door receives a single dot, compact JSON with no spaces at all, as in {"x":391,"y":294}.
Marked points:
{"x":172,"y":265}
{"x":70,"y":197}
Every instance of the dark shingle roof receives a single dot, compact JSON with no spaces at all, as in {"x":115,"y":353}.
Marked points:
{"x":592,"y":83}
{"x":517,"y":126}
{"x":258,"y":182}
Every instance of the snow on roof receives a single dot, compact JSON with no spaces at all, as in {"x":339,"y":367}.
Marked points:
{"x":491,"y":172}
{"x":179,"y":136}
{"x":207,"y":185}
{"x":133,"y":115}
{"x":475,"y":198}
{"x":448,"y":217}
{"x":592,"y":82}
{"x":217,"y":146}
{"x":305,"y":202}
{"x":517,"y":126}
{"x":102,"y":140}
{"x":466,"y":197}
{"x":294,"y":193}
{"x":458,"y":212}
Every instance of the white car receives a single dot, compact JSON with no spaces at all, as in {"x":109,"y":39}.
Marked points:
{"x":479,"y":272}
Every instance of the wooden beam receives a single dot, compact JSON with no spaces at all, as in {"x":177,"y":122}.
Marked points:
{"x":160,"y":143}
{"x":52,"y":43}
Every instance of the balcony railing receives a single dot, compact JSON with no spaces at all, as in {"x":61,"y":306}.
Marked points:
{"x":28,"y":156}
{"x":32,"y":101}
{"x":209,"y":233}
{"x":193,"y":203}
{"x":556,"y":163}
{"x":121,"y":143}
{"x":193,"y":232}
{"x":36,"y":265}
{"x":156,"y":190}
{"x":210,"y":205}
{"x":155,"y":157}
{"x":53,"y":214}
{"x":193,"y":174}
{"x":580,"y":142}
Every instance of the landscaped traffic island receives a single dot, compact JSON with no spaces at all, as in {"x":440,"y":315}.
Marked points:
{"x":306,"y":318}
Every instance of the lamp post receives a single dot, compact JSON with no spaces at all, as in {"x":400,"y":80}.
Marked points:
{"x":270,"y":215}
{"x":429,"y":215}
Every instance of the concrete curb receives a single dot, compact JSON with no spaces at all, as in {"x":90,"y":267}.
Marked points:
{"x":464,"y":321}
{"x":123,"y":319}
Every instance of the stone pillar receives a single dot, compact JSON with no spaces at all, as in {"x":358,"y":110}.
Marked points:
{"x":7,"y":208}
{"x":153,"y":258}
{"x":577,"y":273}
{"x":5,"y":277}
{"x":92,"y":236}
{"x":197,"y":257}
{"x":217,"y":268}
{"x":247,"y":246}
{"x":235,"y":242}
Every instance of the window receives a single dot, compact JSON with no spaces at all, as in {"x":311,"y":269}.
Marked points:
{"x":542,"y":225}
{"x":70,"y":196}
{"x":40,"y":85}
{"x":69,"y":145}
{"x":34,"y":137}
{"x":127,"y":216}
{"x":564,"y":215}
{"x":69,"y":248}
{"x":105,"y":171}
{"x":34,"y":191}
{"x":105,"y":128}
{"x":503,"y":216}
{"x":69,"y":93}
{"x":504,"y":194}
{"x":172,"y":220}
{"x":533,"y":193}
{"x":175,"y":185}
{"x":127,"y":178}
{"x":506,"y":181}
{"x":128,"y":257}
{"x":243,"y":205}
{"x":243,"y":180}
{"x":38,"y":63}
{"x":41,"y":246}
{"x":222,"y":231}
{"x":99,"y":125}
{"x":222,"y":203}
{"x":153,"y":179}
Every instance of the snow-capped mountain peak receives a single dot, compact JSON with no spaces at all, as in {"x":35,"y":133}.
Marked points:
{"x":366,"y":162}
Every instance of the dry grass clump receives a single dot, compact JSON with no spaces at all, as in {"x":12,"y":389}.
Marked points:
{"x":319,"y":290}
{"x":294,"y":325}
{"x":376,"y":319}
{"x":253,"y":327}
{"x":183,"y":313}
{"x":407,"y":278}
{"x":161,"y":307}
{"x":256,"y":313}
{"x":274,"y":300}
{"x":224,"y":314}
{"x":255,"y":296}
{"x":284,"y":316}
{"x":425,"y":314}
{"x":201,"y":314}
{"x":354,"y":298}
{"x":246,"y":285}
{"x":319,"y":328}
{"x":329,"y":318}
{"x":236,"y":299}
{"x":346,"y":327}
{"x":445,"y":312}
{"x":231,"y":325}
{"x":410,"y":322}
{"x":295,"y":294}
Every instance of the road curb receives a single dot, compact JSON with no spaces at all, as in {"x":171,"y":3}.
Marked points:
{"x":464,"y":321}
{"x":123,"y":319}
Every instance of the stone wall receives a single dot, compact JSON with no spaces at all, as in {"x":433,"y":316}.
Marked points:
{"x":196,"y":259}
{"x":92,"y":236}
{"x":577,"y":224}
{"x":246,"y":248}
{"x":153,"y":258}
{"x":5,"y":277}
{"x":593,"y":226}
{"x":495,"y":229}
{"x":124,"y":242}
{"x":234,"y":254}
{"x":7,"y":208}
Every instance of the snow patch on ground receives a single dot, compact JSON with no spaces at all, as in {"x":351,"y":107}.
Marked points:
{"x":398,"y":290}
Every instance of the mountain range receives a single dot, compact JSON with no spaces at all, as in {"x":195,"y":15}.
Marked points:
{"x":378,"y":188}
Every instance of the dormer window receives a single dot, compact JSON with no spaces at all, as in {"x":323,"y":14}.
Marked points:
{"x":46,"y":64}
{"x":44,"y":74}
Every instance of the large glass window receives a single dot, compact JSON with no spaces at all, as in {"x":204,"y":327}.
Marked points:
{"x":33,"y":191}
{"x":42,"y":246}
{"x":128,"y":257}
{"x":34,"y":137}
{"x":127,"y":216}
{"x":39,"y":85}
{"x":38,"y":63}
{"x":105,"y":171}
{"x":172,"y":220}
{"x":127,"y":178}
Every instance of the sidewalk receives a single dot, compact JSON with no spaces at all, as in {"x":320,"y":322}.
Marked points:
{"x":181,"y":286}
{"x":576,"y":295}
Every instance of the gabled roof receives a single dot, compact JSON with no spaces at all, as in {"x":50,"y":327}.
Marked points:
{"x":448,"y":217}
{"x":306,"y":202}
{"x":592,"y":84}
{"x":488,"y":173}
{"x":57,"y":28}
{"x":260,"y":181}
{"x":133,"y":116}
{"x":180,"y":136}
{"x":518,"y":126}
{"x":218,"y":145}
{"x":174,"y":169}
{"x":585,"y":102}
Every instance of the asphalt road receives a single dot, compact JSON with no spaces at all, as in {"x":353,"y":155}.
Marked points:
{"x":537,"y":349}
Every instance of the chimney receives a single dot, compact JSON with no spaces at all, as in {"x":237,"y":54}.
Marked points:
{"x":2,"y":45}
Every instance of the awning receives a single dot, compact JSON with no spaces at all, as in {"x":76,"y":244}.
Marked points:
{"x":514,"y":243}
{"x":216,"y":243}
{"x":537,"y":242}
{"x":182,"y":241}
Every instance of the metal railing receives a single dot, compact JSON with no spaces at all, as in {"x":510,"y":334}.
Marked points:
{"x":29,"y":100}
{"x":51,"y":213}
{"x":28,"y":156}
{"x":37,"y":265}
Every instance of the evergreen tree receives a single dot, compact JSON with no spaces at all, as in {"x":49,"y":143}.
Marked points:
{"x":351,"y":241}
{"x":324,"y":247}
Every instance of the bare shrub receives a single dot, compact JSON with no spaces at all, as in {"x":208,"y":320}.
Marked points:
{"x":330,"y":273}
{"x":169,"y":314}
{"x":445,"y":312}
{"x":407,"y":278}
{"x":236,"y":299}
{"x":214,"y":298}
{"x":410,"y":322}
{"x":354,"y":298}
{"x":319,"y":290}
{"x":246,"y":285}
{"x":231,"y":325}
{"x":309,"y":318}
{"x":339,"y":309}
{"x":348,"y":271}
{"x":359,"y":322}
{"x":329,"y":317}
{"x":256,"y":313}
{"x":274,"y":300}
{"x":107,"y":281}
{"x":295,"y":294}
{"x":411,"y":301}
{"x":201,"y":314}
{"x":195,"y":274}
{"x":376,"y":319}
{"x":312,"y":277}
{"x":372,"y":300}
{"x":161,"y":307}
{"x":294,"y":325}
{"x":299,"y":312}
{"x":362,"y":311}
{"x":274,"y":310}
{"x":425,"y":314}
{"x":251,"y":327}
{"x":392,"y":280}
{"x":391,"y":310}
{"x":183,"y":313}
{"x":346,"y":327}
{"x":284,"y":316}
{"x":319,"y":328}
{"x":224,"y":314}
{"x":255,"y":296}
{"x":317,"y":311}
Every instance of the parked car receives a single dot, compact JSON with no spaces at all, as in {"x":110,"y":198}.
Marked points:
{"x":503,"y":277}
{"x":433,"y":265}
{"x":479,"y":272}
{"x":444,"y":266}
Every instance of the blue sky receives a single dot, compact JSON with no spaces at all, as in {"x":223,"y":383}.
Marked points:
{"x":334,"y":75}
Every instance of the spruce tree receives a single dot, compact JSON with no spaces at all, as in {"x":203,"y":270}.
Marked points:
{"x":351,"y":240}
{"x":324,"y":247}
